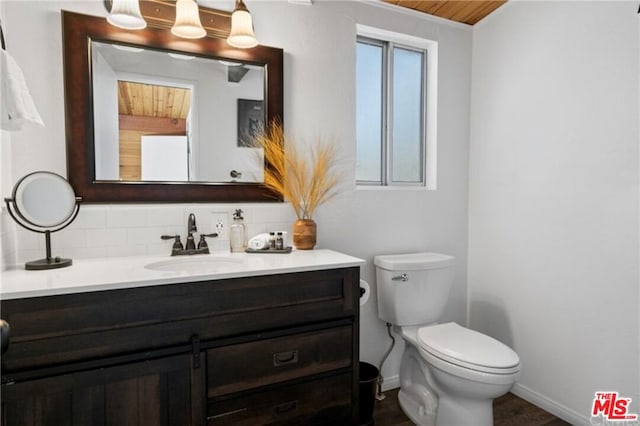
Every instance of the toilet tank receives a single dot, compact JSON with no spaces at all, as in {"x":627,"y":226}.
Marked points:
{"x":413,"y":289}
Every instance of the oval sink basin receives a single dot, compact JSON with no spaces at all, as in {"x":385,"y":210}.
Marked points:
{"x":195,"y":265}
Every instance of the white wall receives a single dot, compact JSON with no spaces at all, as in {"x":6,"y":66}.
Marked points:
{"x":553,"y":205}
{"x":319,"y":100}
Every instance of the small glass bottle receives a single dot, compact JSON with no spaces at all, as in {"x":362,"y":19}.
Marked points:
{"x":279,"y":241}
{"x":238,"y":233}
{"x":272,"y":240}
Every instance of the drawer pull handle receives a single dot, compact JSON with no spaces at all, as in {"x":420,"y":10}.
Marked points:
{"x":285,"y":358}
{"x":285,"y":408}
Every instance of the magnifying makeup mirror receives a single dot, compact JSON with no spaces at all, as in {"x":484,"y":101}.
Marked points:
{"x":44,"y":202}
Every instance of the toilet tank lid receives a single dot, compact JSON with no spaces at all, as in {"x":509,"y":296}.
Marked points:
{"x":413,"y":261}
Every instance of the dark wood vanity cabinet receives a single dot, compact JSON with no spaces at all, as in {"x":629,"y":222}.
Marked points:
{"x":273,"y":349}
{"x":152,"y":392}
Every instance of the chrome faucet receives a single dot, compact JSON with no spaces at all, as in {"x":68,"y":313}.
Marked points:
{"x":190,"y":247}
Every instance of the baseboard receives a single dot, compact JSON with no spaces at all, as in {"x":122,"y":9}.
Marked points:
{"x":549,"y":405}
{"x":523,"y":392}
{"x":389,"y":383}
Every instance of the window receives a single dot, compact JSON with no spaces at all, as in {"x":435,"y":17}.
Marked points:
{"x":391,"y":111}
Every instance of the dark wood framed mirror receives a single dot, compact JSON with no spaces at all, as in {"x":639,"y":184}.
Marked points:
{"x":80,"y":35}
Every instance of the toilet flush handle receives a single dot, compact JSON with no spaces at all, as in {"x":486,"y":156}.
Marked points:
{"x":403,"y":278}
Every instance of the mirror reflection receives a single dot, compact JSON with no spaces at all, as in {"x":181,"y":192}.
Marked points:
{"x":166,"y":117}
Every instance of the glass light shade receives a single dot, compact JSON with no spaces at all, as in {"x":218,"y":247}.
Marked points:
{"x":242,"y":34}
{"x":126,"y":14}
{"x":187,"y":24}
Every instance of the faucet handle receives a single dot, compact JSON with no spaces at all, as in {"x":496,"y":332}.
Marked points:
{"x":202,"y":244}
{"x":177,"y":244}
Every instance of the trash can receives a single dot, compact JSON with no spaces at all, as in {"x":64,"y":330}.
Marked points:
{"x":368,"y":383}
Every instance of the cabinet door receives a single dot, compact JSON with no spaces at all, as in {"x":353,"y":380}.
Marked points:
{"x":166,"y":391}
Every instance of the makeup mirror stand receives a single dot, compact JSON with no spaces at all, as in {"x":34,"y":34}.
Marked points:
{"x":19,"y":212}
{"x":48,"y":262}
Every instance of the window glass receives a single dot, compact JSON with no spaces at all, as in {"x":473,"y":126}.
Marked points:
{"x":390,"y":113}
{"x":408,"y":116}
{"x":369,"y":104}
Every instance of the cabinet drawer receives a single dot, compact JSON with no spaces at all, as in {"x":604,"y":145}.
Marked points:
{"x":248,"y":365}
{"x":325,"y":401}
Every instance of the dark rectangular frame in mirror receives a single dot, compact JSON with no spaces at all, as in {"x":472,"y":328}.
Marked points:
{"x":78,"y":32}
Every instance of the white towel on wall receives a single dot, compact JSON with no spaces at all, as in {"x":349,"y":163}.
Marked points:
{"x":16,"y":103}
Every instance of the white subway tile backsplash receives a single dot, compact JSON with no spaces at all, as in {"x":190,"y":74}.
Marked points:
{"x":106,"y":237}
{"x":135,"y":230}
{"x":30,"y":240}
{"x":166,"y":216}
{"x":128,"y":217}
{"x":267,"y":214}
{"x":144,"y":236}
{"x":67,"y":238}
{"x":218,"y":245}
{"x":254,"y":229}
{"x":82,"y":252}
{"x":281,"y":226}
{"x":8,"y":259}
{"x":29,"y":255}
{"x":90,"y":217}
{"x":124,"y":251}
{"x":159,"y":249}
{"x":175,"y":230}
{"x":202,"y":213}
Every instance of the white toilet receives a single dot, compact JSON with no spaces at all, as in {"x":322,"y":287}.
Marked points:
{"x":449,"y":374}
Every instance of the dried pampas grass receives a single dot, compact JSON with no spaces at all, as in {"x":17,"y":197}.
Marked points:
{"x":306,"y":180}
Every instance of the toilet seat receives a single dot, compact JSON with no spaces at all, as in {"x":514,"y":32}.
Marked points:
{"x":469,"y":349}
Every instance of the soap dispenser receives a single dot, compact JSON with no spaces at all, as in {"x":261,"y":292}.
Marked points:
{"x":238,"y":233}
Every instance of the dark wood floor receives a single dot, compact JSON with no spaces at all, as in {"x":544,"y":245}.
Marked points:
{"x":508,"y":410}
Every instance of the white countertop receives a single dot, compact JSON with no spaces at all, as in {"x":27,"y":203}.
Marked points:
{"x":87,"y":275}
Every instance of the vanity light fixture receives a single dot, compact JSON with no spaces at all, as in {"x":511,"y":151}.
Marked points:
{"x":242,"y":35}
{"x":187,"y":24}
{"x":126,"y":14}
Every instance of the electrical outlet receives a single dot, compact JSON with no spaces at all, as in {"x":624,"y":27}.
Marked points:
{"x":220,"y":225}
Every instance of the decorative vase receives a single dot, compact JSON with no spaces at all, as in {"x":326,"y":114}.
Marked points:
{"x":304,"y":234}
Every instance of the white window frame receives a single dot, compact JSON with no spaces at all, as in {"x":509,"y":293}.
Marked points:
{"x":430,"y":96}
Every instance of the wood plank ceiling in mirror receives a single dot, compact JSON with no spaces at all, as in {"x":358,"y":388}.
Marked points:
{"x":148,"y":109}
{"x":466,"y":12}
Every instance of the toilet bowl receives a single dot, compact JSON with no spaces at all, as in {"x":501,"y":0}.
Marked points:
{"x":449,"y":375}
{"x":464,"y":368}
